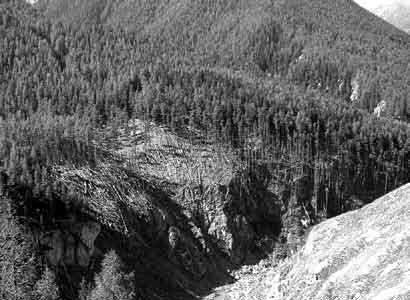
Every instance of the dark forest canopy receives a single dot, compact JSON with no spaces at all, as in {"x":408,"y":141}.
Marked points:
{"x":324,"y":44}
{"x":271,"y":79}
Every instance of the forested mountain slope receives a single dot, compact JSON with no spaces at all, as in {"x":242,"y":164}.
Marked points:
{"x":275,"y":95}
{"x":330,"y":45}
{"x":104,"y":73}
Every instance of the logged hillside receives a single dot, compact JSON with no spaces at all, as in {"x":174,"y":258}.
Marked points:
{"x":180,"y":214}
{"x":190,"y":137}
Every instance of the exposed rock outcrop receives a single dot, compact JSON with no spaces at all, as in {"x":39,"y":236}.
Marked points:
{"x":181,"y":213}
{"x":380,"y":109}
{"x":71,"y":244}
{"x":363,"y":254}
{"x":227,"y":207}
{"x":355,"y":88}
{"x":242,"y":212}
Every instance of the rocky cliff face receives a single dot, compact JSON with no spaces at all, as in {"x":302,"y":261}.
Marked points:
{"x":362,"y":254}
{"x":71,"y":244}
{"x":180,"y":214}
{"x":184,"y":215}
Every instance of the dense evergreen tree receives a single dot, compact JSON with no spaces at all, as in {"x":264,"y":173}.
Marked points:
{"x":113,"y":283}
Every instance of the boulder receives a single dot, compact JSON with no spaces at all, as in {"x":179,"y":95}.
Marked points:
{"x":380,"y":109}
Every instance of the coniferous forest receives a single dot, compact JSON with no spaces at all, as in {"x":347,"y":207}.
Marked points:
{"x":292,"y":89}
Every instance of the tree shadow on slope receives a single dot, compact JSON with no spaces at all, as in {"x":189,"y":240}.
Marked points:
{"x":170,"y":250}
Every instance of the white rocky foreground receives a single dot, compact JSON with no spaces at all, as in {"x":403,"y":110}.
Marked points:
{"x":361,"y":255}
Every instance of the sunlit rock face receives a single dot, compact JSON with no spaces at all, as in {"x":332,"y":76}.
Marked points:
{"x":355,"y":89}
{"x":381,"y":108}
{"x":363,"y":254}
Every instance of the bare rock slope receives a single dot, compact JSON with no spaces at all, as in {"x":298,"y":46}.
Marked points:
{"x":364,"y":254}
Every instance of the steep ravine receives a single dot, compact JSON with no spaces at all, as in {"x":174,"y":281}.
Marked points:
{"x":180,"y":215}
{"x":189,"y":219}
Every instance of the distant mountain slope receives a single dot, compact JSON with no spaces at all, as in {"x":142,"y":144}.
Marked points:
{"x":397,"y":14}
{"x":295,"y":38}
{"x":363,"y":254}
